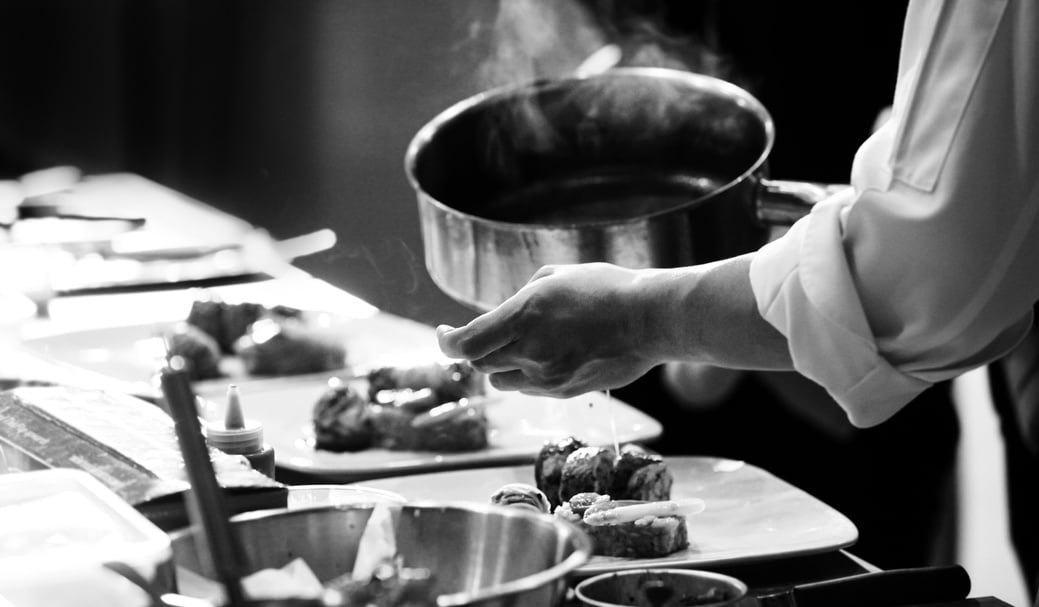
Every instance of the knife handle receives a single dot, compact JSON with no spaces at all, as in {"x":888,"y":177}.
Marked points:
{"x":887,"y":588}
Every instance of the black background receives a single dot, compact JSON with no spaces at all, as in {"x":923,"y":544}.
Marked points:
{"x":296,"y":115}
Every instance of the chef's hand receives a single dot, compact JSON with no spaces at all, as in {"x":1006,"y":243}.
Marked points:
{"x":570,"y":330}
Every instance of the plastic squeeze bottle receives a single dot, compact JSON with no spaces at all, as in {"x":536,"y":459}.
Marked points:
{"x":241,"y":436}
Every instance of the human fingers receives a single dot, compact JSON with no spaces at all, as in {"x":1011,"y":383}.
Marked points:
{"x":509,"y":381}
{"x":542,"y":272}
{"x":483,"y":335}
{"x":520,"y":381}
{"x":506,"y":358}
{"x":487,"y":332}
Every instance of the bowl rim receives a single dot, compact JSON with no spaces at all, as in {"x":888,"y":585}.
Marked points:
{"x":388,"y":497}
{"x":582,"y":543}
{"x":579,"y":589}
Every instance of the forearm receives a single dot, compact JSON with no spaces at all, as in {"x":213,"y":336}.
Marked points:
{"x":708,"y":314}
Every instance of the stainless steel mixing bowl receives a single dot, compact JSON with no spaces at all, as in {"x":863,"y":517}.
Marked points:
{"x":478,"y":554}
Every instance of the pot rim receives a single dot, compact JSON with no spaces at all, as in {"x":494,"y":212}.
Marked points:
{"x":738,"y":585}
{"x":743,"y":98}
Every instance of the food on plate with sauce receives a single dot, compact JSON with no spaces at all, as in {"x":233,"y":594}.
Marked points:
{"x":569,"y":466}
{"x":628,"y":528}
{"x":623,"y":501}
{"x":404,"y":409}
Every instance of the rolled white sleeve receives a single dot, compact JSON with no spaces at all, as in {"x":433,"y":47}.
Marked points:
{"x":929,"y":265}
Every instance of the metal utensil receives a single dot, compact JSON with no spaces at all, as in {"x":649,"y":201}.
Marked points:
{"x":908,"y":586}
{"x":206,"y":507}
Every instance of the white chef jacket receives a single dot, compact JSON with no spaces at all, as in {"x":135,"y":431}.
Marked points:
{"x":929,"y":265}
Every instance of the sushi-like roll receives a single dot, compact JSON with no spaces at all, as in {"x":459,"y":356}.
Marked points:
{"x":206,"y":315}
{"x":548,"y":467}
{"x":235,"y":321}
{"x":288,"y":347}
{"x":449,"y":381}
{"x":391,"y":427}
{"x":344,"y":419}
{"x":228,"y":322}
{"x":587,"y":470}
{"x":341,"y":420}
{"x":650,"y":483}
{"x":450,"y":427}
{"x":640,"y":474}
{"x":628,"y":528}
{"x":198,"y":349}
{"x":521,"y":495}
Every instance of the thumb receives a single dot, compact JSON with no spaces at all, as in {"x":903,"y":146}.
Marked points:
{"x":483,"y":335}
{"x":447,"y":342}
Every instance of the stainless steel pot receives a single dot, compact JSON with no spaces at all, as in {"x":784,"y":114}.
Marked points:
{"x":640,"y":167}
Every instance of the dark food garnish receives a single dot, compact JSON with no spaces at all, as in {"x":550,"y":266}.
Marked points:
{"x":548,"y":467}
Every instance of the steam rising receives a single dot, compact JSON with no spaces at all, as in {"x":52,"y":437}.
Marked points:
{"x":537,"y":40}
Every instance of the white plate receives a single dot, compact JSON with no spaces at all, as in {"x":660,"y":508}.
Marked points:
{"x":751,"y":515}
{"x":519,"y":424}
{"x":132,"y":354}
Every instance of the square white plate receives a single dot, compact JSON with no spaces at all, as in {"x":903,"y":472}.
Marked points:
{"x":750,"y":515}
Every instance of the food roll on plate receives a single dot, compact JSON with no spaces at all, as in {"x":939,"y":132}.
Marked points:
{"x":548,"y":466}
{"x":569,"y":466}
{"x":404,"y":409}
{"x":450,"y":381}
{"x":622,"y":500}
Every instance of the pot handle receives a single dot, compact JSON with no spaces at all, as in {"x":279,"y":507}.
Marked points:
{"x":781,"y":203}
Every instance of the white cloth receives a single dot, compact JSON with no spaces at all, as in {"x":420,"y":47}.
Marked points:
{"x":929,"y":265}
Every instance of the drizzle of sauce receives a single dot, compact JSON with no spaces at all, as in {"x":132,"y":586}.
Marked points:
{"x":613,"y":424}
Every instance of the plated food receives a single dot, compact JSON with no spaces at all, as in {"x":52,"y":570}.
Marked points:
{"x":420,"y":407}
{"x":630,"y":528}
{"x":429,"y":407}
{"x":622,"y":500}
{"x":199,"y":350}
{"x":268,"y":340}
{"x":517,"y":424}
{"x":226,"y":322}
{"x":568,"y":466}
{"x":749,"y":515}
